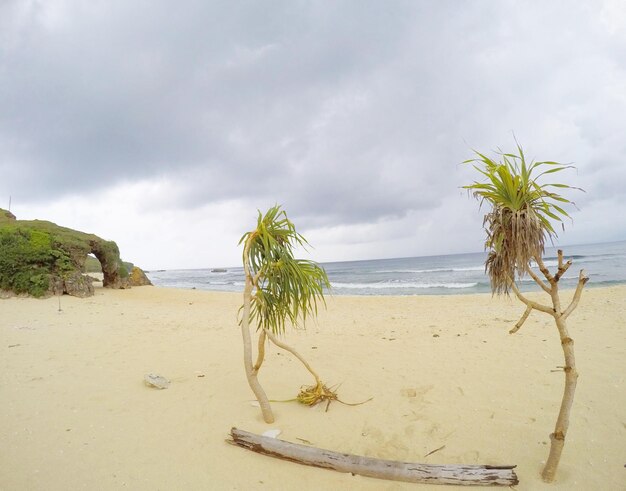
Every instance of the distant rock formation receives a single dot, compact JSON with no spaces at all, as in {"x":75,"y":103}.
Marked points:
{"x":40,"y":258}
{"x":138,"y":278}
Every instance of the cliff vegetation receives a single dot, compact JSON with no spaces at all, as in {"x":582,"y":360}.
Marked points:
{"x":40,"y":258}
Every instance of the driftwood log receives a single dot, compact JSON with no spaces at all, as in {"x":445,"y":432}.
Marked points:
{"x":468,"y":475}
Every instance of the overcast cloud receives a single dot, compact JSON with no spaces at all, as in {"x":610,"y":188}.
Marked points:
{"x":164,"y":127}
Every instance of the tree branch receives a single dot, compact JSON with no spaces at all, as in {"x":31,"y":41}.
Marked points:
{"x":582,"y":280}
{"x":530,"y":303}
{"x":538,"y":280}
{"x":522,"y":320}
{"x":544,"y":269}
{"x":286,"y":347}
{"x":562,"y":268}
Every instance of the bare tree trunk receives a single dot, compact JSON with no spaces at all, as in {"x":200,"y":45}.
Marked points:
{"x":251,"y":372}
{"x":261,"y":352}
{"x":469,"y":475}
{"x":557,"y":438}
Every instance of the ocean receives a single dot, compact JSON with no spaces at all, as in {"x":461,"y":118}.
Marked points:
{"x":605,"y":264}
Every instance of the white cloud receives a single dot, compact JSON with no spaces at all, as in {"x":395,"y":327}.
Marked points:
{"x":147,"y":231}
{"x":167,"y":135}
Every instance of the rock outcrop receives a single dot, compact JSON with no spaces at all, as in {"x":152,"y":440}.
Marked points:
{"x":78,"y":285}
{"x":107,"y":252}
{"x":138,"y":278}
{"x":41,"y":258}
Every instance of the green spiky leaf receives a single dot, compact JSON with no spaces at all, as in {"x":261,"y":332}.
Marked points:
{"x":287,"y":290}
{"x":519,"y":221}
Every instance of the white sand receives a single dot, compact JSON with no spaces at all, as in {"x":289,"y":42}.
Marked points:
{"x":75,"y":413}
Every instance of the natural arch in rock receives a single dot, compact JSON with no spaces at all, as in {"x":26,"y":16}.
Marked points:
{"x":43,"y":258}
{"x":113,"y":269}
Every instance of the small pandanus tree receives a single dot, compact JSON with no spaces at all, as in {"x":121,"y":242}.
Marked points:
{"x":517,"y":226}
{"x":279,"y":290}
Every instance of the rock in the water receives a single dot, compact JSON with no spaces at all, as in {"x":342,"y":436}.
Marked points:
{"x":138,"y":278}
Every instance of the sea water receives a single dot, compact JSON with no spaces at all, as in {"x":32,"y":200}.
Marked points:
{"x":605,"y":264}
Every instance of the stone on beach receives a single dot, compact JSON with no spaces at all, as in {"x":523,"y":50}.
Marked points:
{"x":156,"y":381}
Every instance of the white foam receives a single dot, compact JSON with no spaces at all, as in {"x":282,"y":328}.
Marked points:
{"x":378,"y":286}
{"x":434,"y":270}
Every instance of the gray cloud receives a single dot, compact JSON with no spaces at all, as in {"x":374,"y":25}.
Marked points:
{"x":346,"y":112}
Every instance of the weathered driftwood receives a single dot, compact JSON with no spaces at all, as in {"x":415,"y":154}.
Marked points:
{"x":469,"y":475}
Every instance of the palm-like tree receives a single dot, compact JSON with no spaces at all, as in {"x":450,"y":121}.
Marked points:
{"x":517,"y":226}
{"x":518,"y":223}
{"x":279,"y":289}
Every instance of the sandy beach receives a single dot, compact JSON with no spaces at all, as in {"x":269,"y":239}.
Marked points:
{"x":443,"y":373}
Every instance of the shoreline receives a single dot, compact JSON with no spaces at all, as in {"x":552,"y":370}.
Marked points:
{"x":533,"y":292}
{"x":442,"y":371}
{"x":448,"y":274}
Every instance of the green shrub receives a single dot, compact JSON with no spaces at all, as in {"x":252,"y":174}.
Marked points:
{"x":92,"y":265}
{"x":26,"y":259}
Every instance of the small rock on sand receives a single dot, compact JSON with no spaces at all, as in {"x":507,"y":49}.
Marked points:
{"x":157,"y":381}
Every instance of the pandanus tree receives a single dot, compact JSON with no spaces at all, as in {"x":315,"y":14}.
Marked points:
{"x":279,"y":290}
{"x":517,"y":225}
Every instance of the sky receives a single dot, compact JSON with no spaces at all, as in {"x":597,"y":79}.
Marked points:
{"x":166,"y":127}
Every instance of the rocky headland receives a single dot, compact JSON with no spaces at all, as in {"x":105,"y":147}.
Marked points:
{"x":40,"y":259}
